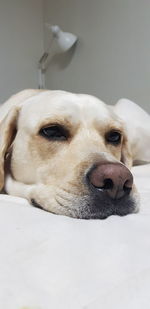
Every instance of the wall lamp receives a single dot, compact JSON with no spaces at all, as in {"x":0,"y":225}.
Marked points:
{"x":63,"y":42}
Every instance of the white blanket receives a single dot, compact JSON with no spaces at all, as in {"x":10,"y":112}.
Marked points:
{"x":55,"y":262}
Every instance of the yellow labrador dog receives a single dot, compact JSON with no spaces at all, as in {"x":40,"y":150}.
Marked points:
{"x":66,"y":153}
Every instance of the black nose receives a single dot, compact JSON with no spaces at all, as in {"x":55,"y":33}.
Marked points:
{"x":112,"y":178}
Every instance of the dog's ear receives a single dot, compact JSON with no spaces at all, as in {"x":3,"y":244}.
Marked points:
{"x":8,"y":124}
{"x":137,"y":123}
{"x":8,"y":128}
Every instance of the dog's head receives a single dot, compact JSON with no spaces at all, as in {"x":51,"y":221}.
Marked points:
{"x":67,"y":153}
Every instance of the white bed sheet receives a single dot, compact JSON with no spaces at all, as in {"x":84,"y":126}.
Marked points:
{"x":55,"y":262}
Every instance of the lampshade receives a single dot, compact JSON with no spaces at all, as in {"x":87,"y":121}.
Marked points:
{"x":64,"y":40}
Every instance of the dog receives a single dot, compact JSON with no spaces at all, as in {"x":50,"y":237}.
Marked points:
{"x":67,"y":153}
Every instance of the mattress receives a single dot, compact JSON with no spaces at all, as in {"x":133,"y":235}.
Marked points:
{"x":55,"y":262}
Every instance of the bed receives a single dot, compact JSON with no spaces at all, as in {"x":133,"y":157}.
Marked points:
{"x":49,"y":261}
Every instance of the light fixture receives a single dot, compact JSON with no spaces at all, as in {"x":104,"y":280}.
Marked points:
{"x":63,"y":42}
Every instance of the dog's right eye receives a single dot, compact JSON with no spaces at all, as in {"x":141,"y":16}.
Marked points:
{"x":113,"y":137}
{"x":54,"y":133}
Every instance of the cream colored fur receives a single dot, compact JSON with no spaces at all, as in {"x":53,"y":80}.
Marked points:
{"x":52,"y":172}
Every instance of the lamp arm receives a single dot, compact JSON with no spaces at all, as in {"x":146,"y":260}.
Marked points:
{"x":43,"y":65}
{"x":42,"y":68}
{"x":44,"y":61}
{"x":41,"y":79}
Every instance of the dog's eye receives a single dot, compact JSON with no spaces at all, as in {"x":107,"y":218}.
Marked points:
{"x":113,"y":137}
{"x":54,"y":133}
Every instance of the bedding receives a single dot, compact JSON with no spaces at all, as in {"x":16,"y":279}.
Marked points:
{"x":51,"y":261}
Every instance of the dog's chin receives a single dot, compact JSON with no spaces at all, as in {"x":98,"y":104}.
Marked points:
{"x":96,"y":208}
{"x":103,"y":209}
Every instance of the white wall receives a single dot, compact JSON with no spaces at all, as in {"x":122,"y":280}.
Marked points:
{"x":21,"y":44}
{"x":112,"y":59}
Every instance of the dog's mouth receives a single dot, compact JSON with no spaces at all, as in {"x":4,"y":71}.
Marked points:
{"x":96,"y":208}
{"x":36,"y":204}
{"x":103,"y":209}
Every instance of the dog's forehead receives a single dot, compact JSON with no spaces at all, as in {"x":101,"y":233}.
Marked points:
{"x":74,"y":107}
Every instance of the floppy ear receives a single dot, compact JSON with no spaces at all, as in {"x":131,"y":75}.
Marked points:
{"x":8,"y":121}
{"x":137,"y":123}
{"x":7,"y":134}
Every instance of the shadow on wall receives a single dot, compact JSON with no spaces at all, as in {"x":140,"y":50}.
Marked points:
{"x":62,"y":60}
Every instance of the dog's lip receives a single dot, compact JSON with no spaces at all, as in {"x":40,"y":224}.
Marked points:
{"x":88,"y":212}
{"x":36,"y":204}
{"x":39,"y":206}
{"x":102,"y":216}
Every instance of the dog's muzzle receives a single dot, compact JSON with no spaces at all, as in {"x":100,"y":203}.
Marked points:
{"x":109,"y":193}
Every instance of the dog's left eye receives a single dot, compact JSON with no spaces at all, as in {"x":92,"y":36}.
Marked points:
{"x":113,"y":137}
{"x":54,"y":133}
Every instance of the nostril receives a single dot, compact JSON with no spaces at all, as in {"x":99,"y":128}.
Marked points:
{"x":127,"y":187}
{"x":126,"y":190}
{"x":108,"y":184}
